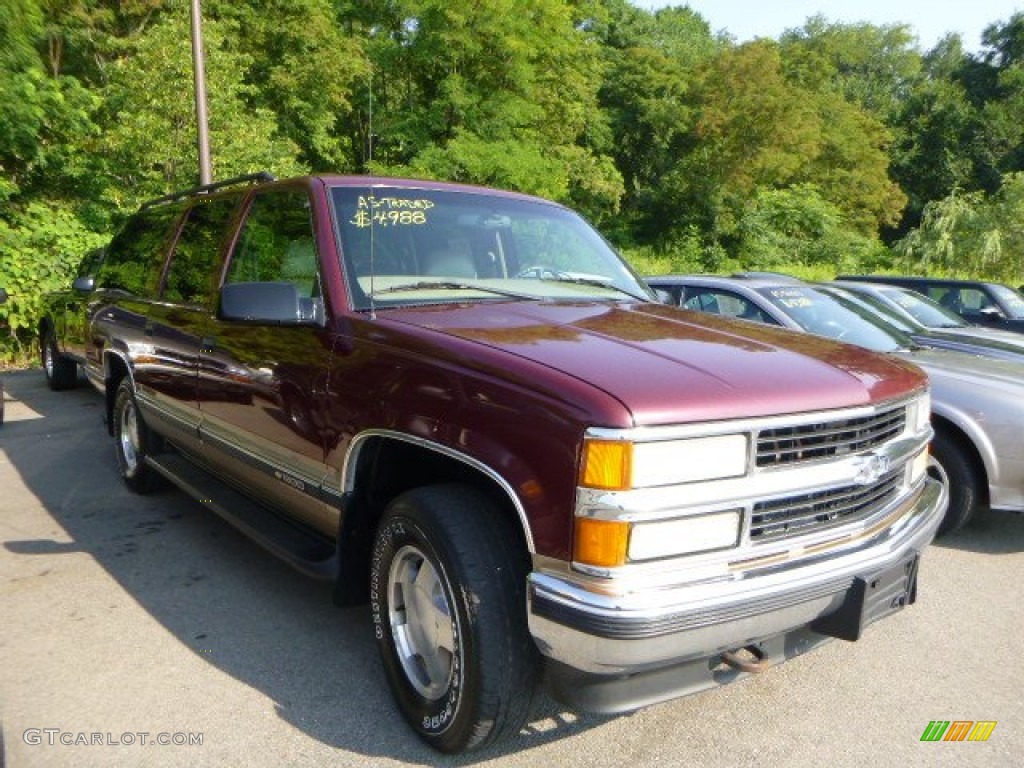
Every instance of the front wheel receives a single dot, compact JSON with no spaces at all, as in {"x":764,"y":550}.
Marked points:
{"x":447,"y":592}
{"x":962,"y":482}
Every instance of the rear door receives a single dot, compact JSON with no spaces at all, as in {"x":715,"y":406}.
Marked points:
{"x":127,"y":282}
{"x":168,"y":368}
{"x":262,"y":385}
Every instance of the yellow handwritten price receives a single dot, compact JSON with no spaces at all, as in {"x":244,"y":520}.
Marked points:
{"x":388,"y":218}
{"x":390,"y":211}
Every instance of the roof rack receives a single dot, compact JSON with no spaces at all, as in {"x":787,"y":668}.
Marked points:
{"x":205,"y":188}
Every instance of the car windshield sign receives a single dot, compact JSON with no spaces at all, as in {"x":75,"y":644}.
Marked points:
{"x":825,"y":316}
{"x":403,"y":246}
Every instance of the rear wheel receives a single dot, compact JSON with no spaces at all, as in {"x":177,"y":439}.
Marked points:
{"x":962,"y":480}
{"x":61,"y":372}
{"x":133,"y":441}
{"x":447,"y":592}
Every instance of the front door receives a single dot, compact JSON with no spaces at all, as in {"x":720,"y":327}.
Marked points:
{"x":261,"y":386}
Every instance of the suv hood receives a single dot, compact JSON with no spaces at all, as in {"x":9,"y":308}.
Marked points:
{"x":668,"y":365}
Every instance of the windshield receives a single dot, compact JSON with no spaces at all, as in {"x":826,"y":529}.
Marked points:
{"x":405,"y":246}
{"x":923,"y":309}
{"x":874,"y":305}
{"x":1012,"y":302}
{"x":835,"y":318}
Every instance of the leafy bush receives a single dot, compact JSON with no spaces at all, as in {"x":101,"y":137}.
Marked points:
{"x":41,"y":248}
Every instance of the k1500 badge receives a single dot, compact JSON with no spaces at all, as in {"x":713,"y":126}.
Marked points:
{"x":294,"y":482}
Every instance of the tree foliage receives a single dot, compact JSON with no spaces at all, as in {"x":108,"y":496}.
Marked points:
{"x":689,"y":150}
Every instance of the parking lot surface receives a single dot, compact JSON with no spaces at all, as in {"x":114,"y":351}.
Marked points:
{"x":145,"y":631}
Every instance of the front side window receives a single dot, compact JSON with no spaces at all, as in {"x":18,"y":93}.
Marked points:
{"x":728,"y":304}
{"x":412,"y":246}
{"x":973,"y":299}
{"x":276,"y":245}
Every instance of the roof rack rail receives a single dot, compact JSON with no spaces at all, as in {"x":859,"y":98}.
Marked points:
{"x":204,"y":188}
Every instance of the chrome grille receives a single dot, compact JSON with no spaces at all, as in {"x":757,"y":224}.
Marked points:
{"x":808,"y":442}
{"x":794,"y":515}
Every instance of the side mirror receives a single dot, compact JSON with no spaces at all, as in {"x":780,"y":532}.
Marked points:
{"x":274,"y":303}
{"x":85,"y":284}
{"x":992,"y":314}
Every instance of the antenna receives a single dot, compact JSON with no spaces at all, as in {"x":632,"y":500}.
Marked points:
{"x":369,"y":169}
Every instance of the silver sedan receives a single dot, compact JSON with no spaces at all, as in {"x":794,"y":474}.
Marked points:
{"x":977,"y":402}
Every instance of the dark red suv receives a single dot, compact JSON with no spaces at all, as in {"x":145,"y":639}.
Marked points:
{"x":461,"y":406}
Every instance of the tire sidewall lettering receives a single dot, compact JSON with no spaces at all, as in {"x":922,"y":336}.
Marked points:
{"x":434,"y":717}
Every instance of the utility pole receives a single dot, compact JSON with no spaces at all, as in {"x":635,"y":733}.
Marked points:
{"x":202,"y":120}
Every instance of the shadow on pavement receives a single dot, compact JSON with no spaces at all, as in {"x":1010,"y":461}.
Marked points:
{"x":990,"y":532}
{"x":233,"y":604}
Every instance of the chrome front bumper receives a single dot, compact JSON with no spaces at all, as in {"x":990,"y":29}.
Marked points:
{"x":615,"y":653}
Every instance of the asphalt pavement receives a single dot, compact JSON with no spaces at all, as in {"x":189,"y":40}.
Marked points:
{"x":144,"y":631}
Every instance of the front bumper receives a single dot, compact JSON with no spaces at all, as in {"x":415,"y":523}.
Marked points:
{"x":611,"y":653}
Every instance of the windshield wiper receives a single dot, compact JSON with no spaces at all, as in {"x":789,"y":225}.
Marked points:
{"x":595,"y":282}
{"x":450,"y":285}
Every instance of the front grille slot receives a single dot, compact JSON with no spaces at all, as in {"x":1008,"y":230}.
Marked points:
{"x":794,"y":515}
{"x":810,"y":442}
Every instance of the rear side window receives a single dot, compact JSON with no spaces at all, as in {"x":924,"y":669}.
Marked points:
{"x":192,"y":274}
{"x":136,"y":254}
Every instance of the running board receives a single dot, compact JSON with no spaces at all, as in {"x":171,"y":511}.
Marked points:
{"x":304,"y":551}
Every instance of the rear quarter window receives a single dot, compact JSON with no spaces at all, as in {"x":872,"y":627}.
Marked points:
{"x":135,"y":256}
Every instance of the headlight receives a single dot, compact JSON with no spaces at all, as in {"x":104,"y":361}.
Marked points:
{"x":620,"y":465}
{"x":685,"y":536}
{"x":612,"y":543}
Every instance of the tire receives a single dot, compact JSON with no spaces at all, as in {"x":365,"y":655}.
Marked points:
{"x":61,"y":372}
{"x":448,"y":601}
{"x":962,"y":480}
{"x":133,"y":441}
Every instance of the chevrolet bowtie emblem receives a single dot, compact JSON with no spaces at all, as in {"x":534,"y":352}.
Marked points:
{"x":870,"y":468}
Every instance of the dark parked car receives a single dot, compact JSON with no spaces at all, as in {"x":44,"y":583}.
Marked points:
{"x":977,"y":403}
{"x":929,"y":324}
{"x":976,"y":301}
{"x":62,"y":330}
{"x":461,"y":406}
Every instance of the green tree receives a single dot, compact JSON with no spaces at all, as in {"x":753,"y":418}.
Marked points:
{"x":456,"y":86}
{"x":874,"y":67}
{"x":300,"y":64}
{"x":971,"y":234}
{"x":149,"y":94}
{"x":652,"y":60}
{"x":796,"y":227}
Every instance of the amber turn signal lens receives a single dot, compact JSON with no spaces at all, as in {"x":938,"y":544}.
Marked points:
{"x":607,"y":464}
{"x":600,"y":542}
